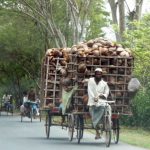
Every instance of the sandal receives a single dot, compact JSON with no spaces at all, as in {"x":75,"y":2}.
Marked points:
{"x":97,"y":136}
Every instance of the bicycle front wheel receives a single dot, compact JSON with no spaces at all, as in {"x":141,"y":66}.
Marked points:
{"x":107,"y":132}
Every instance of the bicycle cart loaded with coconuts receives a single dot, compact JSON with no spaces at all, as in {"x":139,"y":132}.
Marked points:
{"x":64,"y":89}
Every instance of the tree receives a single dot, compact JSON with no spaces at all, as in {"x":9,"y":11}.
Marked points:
{"x":138,"y":40}
{"x":61,"y":21}
{"x":121,"y":21}
{"x":21,"y":48}
{"x":28,"y":27}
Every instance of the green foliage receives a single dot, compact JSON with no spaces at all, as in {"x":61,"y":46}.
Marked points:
{"x":21,"y":48}
{"x":140,"y":109}
{"x":98,"y":18}
{"x":137,"y":37}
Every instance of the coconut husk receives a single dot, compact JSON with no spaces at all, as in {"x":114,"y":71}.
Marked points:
{"x":82,"y":68}
{"x":104,"y":51}
{"x":81,"y":49}
{"x":98,"y":44}
{"x":118,"y":94}
{"x":86,"y":49}
{"x":67,"y":50}
{"x":120,"y":62}
{"x":128,"y":71}
{"x":95,"y":46}
{"x":90,"y":43}
{"x":112,"y":49}
{"x":63,"y":63}
{"x":74,"y":49}
{"x":129,"y":51}
{"x":124,"y":54}
{"x":49,"y":52}
{"x":129,"y":63}
{"x":113,"y":71}
{"x":96,"y":52}
{"x":112,"y":80}
{"x":66,"y":57}
{"x":63,"y":72}
{"x":121,"y":71}
{"x":57,"y":53}
{"x":105,"y":70}
{"x":81,"y":53}
{"x":96,"y":61}
{"x":119,"y":50}
{"x":114,"y":53}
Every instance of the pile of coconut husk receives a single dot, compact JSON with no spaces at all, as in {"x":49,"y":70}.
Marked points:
{"x":100,"y":47}
{"x":96,"y":48}
{"x":61,"y":53}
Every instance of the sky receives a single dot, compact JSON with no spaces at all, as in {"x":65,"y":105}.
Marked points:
{"x":131,"y":4}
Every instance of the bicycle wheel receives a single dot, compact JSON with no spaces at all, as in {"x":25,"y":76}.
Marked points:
{"x":12,"y":110}
{"x":80,"y":125}
{"x":47,"y":125}
{"x":70,"y":126}
{"x":21,"y":117}
{"x":40,"y":115}
{"x":34,"y":113}
{"x":107,"y":131}
{"x":115,"y":129}
{"x":31,"y":114}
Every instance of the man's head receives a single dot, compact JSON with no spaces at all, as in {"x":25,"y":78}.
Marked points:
{"x":98,"y":74}
{"x":67,"y":84}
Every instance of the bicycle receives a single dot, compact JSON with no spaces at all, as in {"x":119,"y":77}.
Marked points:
{"x":77,"y":122}
{"x":30,"y":111}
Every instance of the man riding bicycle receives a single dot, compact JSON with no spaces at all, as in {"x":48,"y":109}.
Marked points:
{"x":98,"y":91}
{"x":32,"y":98}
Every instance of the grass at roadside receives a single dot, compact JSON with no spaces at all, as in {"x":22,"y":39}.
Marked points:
{"x":135,"y":136}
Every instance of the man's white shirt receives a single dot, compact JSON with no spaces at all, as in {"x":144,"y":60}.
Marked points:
{"x":94,"y":90}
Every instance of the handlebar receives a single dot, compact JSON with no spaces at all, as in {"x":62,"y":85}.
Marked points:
{"x":31,"y":102}
{"x":108,"y":102}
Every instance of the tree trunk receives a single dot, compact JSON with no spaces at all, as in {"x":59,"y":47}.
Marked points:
{"x":121,"y":17}
{"x":133,"y":15}
{"x":113,"y":6}
{"x":138,"y":8}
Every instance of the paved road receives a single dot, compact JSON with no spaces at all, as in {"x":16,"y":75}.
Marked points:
{"x":16,"y":135}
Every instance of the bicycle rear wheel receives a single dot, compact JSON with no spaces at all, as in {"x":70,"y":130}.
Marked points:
{"x":70,"y":126}
{"x":80,"y":126}
{"x":47,"y":125}
{"x":115,"y":129}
